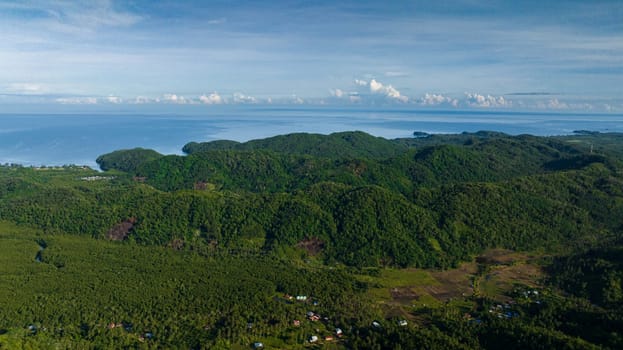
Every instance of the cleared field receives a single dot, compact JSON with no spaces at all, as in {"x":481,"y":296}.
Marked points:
{"x":492,"y":274}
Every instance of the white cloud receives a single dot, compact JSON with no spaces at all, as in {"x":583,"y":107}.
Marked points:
{"x":377,"y":88}
{"x":388,"y":90}
{"x":244,"y":99}
{"x":438,"y":99}
{"x":477,"y":100}
{"x":114,"y":99}
{"x":175,"y":99}
{"x":77,"y":100}
{"x":211,"y":99}
{"x":337,"y":93}
{"x":139,"y":100}
{"x":395,"y":94}
{"x":555,"y":104}
{"x":25,"y":88}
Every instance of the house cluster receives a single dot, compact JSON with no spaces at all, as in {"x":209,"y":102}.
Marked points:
{"x":338,"y":333}
{"x":312,"y":316}
{"x":503,"y":310}
{"x":300,"y":298}
{"x":531,"y":295}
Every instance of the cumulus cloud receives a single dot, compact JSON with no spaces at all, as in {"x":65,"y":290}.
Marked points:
{"x":378,"y":88}
{"x":555,"y":104}
{"x":375,"y":86}
{"x":139,"y":100}
{"x":77,"y":100}
{"x":438,"y":99}
{"x":211,"y":99}
{"x":244,"y":99}
{"x":175,"y":99}
{"x":477,"y":100}
{"x":114,"y":99}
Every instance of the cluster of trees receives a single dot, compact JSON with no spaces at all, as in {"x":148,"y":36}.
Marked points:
{"x":595,"y":274}
{"x":81,"y":286}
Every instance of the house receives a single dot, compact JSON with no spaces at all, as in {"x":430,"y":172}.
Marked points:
{"x":258,"y":345}
{"x":338,"y":332}
{"x":301,"y":297}
{"x":375,"y":324}
{"x":296,"y":323}
{"x":313,"y":339}
{"x":402,"y":323}
{"x":328,"y":338}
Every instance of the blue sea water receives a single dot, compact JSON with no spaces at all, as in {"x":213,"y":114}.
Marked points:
{"x":78,"y":138}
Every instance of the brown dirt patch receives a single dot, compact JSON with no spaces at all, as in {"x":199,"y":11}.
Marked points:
{"x":521,"y":273}
{"x":500,"y":257}
{"x":403,"y":295}
{"x":453,"y":283}
{"x":313,"y":245}
{"x":120,"y":231}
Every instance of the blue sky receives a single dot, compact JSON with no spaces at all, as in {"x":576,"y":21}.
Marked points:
{"x":558,"y":55}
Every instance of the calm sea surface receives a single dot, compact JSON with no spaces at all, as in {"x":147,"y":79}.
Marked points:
{"x":57,"y":139}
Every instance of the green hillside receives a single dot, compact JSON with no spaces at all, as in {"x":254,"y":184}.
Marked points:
{"x":199,"y":251}
{"x":352,"y":144}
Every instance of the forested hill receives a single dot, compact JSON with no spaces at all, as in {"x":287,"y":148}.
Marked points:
{"x":273,"y":165}
{"x":427,"y":206}
{"x":352,"y":144}
{"x":207,"y":250}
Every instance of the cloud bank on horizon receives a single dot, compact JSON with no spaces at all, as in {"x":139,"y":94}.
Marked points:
{"x":553,"y":55}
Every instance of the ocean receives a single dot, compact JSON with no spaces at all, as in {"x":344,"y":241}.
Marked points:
{"x":79,"y":138}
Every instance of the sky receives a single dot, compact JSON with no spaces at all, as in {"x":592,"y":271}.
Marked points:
{"x":463,"y":54}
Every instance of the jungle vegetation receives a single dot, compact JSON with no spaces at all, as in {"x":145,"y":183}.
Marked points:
{"x":205,"y":250}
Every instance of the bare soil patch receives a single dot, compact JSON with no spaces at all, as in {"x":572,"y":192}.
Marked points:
{"x":312,"y":246}
{"x":120,"y":231}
